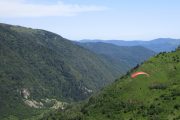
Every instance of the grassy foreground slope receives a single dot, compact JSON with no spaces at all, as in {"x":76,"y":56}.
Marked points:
{"x":156,"y":97}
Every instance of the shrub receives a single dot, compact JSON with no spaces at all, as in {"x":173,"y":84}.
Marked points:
{"x":177,"y":106}
{"x":175,"y":93}
{"x":158,"y":86}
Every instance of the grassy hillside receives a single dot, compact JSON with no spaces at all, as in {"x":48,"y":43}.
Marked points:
{"x":122,"y":58}
{"x":143,"y":98}
{"x":46,"y":66}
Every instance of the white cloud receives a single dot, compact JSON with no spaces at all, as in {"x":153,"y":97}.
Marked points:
{"x":20,"y":8}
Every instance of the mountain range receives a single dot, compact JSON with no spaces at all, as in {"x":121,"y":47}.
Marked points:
{"x":157,"y":45}
{"x":41,"y":70}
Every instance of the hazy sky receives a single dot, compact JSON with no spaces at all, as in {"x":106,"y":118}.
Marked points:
{"x":97,"y":19}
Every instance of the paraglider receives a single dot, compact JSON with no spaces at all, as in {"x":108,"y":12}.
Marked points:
{"x":134,"y":75}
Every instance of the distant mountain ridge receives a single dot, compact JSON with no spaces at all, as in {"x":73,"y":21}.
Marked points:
{"x":157,"y":45}
{"x":122,"y":58}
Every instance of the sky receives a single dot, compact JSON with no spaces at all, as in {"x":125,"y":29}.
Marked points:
{"x":97,"y":19}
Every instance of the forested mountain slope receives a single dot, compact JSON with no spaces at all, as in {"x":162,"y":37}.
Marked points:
{"x":45,"y":65}
{"x":122,"y":58}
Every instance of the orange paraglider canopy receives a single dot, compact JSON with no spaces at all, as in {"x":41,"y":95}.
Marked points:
{"x":134,"y":75}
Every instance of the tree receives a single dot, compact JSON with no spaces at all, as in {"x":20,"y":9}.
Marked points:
{"x":178,"y":48}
